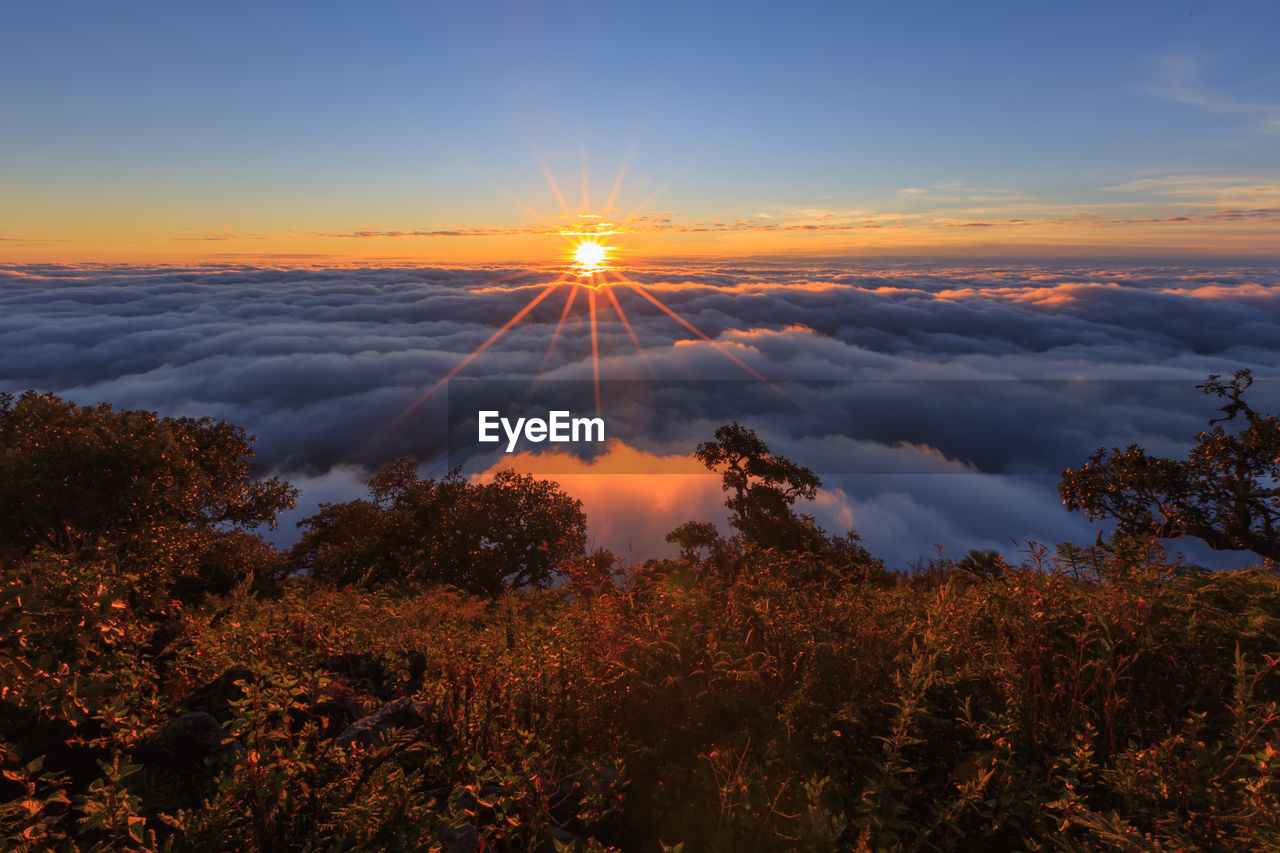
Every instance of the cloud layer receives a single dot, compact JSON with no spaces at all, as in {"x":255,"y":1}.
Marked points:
{"x":927,"y":404}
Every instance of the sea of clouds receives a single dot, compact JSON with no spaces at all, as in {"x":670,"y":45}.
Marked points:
{"x":939,"y":401}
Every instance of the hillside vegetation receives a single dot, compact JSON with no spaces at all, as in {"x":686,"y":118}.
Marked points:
{"x":443,"y":667}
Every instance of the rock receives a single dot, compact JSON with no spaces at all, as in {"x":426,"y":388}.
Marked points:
{"x":403,"y":713}
{"x":188,"y":740}
{"x":181,"y":762}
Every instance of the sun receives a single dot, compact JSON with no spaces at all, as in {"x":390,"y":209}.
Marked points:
{"x":590,"y":255}
{"x":588,"y":274}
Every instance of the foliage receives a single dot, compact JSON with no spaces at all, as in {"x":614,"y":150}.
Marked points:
{"x":593,"y":574}
{"x":693,"y":535}
{"x":1225,"y":492}
{"x":74,"y":675}
{"x":513,"y":530}
{"x":158,"y":493}
{"x":752,"y":697}
{"x":1133,"y":703}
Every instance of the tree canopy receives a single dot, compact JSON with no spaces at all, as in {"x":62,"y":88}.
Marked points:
{"x":513,"y":530}
{"x":1225,"y":492}
{"x":168,"y":495}
{"x":119,"y":473}
{"x":761,"y":487}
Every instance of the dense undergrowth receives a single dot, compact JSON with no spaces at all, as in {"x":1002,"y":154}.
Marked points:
{"x":1102,"y":699}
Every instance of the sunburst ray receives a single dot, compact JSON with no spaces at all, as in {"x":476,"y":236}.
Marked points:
{"x":638,"y":288}
{"x":555,"y":188}
{"x":617,"y":184}
{"x":520,"y":315}
{"x":568,"y":305}
{"x":626,"y":324}
{"x":595,"y":347}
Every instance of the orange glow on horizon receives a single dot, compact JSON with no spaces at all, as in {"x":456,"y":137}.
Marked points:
{"x":112,"y":239}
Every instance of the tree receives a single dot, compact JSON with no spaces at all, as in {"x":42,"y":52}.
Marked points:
{"x":162,"y":494}
{"x":762,"y":488}
{"x":1225,"y":492}
{"x":513,"y":530}
{"x":693,"y":535}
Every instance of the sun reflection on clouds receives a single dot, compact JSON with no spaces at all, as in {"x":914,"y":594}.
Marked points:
{"x":624,"y":497}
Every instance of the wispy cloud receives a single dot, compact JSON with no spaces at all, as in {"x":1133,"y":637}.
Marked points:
{"x":1150,"y":209}
{"x":1206,"y":188}
{"x":1179,"y":79}
{"x":956,"y":192}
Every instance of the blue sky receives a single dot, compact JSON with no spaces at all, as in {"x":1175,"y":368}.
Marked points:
{"x":327,"y":117}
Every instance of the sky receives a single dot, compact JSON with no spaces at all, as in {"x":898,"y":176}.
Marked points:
{"x":462,"y":133}
{"x":872,"y":232}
